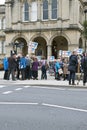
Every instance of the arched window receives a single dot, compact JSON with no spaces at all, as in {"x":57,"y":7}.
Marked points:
{"x":54,"y":9}
{"x":45,"y":9}
{"x":26,"y":11}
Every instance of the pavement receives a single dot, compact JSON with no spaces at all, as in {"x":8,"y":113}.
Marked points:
{"x":49,"y":82}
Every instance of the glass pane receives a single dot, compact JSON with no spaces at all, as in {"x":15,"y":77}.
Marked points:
{"x":26,"y":11}
{"x":26,"y":16}
{"x":54,"y":9}
{"x":45,"y":4}
{"x":26,"y":6}
{"x":54,"y":14}
{"x":54,"y":3}
{"x":45,"y":14}
{"x":45,"y":9}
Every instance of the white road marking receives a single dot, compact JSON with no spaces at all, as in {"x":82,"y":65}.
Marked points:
{"x":2,"y":86}
{"x":49,"y":87}
{"x":18,"y":103}
{"x":7,"y":92}
{"x":17,"y":89}
{"x":27,"y":86}
{"x":63,"y":107}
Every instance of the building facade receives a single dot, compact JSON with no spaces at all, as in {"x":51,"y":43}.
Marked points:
{"x":54,"y":24}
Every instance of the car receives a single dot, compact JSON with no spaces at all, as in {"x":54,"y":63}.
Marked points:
{"x":1,"y":64}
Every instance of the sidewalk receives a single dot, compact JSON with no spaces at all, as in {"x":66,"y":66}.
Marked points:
{"x":49,"y":82}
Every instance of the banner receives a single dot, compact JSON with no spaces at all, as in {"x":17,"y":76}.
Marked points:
{"x":32,"y":47}
{"x":64,"y":53}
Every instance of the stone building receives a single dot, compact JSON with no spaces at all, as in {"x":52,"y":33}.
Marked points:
{"x":54,"y":24}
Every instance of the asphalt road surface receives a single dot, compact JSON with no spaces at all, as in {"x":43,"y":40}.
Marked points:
{"x":42,"y":108}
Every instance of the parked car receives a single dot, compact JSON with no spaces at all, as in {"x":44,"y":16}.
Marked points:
{"x":1,"y":65}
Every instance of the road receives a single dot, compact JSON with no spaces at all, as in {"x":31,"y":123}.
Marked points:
{"x":24,"y":107}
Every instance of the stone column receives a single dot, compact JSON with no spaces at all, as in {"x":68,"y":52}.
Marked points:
{"x":8,"y":15}
{"x":39,"y":10}
{"x":49,"y":50}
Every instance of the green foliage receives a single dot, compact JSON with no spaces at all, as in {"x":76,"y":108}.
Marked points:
{"x":85,"y":29}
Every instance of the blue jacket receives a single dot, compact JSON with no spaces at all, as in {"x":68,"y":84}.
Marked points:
{"x":57,"y":66}
{"x":22,"y":63}
{"x":5,"y":63}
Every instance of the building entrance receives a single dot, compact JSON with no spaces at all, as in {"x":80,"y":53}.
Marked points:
{"x":59,"y":43}
{"x":41,"y":48}
{"x":20,"y":46}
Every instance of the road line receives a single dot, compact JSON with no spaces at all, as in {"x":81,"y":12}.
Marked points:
{"x":2,"y":86}
{"x":17,"y":89}
{"x":18,"y":103}
{"x":7,"y":92}
{"x":27,"y":86}
{"x":48,"y":87}
{"x":63,"y":107}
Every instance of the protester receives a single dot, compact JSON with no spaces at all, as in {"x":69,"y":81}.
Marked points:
{"x":84,"y":67}
{"x":27,"y":69}
{"x":35,"y":68}
{"x":5,"y":63}
{"x":22,"y":66}
{"x":57,"y":67}
{"x":65,"y":69}
{"x":12,"y":65}
{"x":44,"y":67}
{"x":73,"y":63}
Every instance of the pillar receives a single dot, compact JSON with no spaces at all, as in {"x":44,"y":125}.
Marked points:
{"x":49,"y":50}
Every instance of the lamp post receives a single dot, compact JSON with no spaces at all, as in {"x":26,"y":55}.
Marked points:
{"x":85,"y":11}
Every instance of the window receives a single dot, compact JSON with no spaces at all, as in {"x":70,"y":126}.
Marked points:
{"x":54,"y":9}
{"x":2,"y":47}
{"x":26,"y":12}
{"x":34,"y":11}
{"x":45,"y":10}
{"x":3,"y":23}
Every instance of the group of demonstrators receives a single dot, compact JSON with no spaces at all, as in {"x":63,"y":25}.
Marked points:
{"x":25,"y":67}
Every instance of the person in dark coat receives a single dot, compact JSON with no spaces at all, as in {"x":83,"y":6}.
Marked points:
{"x":84,"y":67}
{"x":73,"y":63}
{"x":12,"y":65}
{"x":35,"y":68}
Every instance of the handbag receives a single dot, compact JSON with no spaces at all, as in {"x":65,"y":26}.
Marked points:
{"x":60,"y":71}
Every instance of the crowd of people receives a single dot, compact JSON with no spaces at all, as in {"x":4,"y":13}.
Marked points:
{"x":24,"y":67}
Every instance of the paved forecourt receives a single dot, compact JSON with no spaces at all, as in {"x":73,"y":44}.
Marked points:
{"x":49,"y":82}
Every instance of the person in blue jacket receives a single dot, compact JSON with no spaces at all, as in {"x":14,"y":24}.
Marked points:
{"x":5,"y":64}
{"x":56,"y":68}
{"x":22,"y":65}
